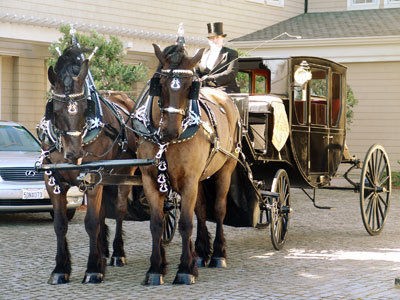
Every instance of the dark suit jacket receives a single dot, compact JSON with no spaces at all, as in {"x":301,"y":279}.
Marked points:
{"x":223,"y":74}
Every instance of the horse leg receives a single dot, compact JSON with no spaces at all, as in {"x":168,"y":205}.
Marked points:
{"x":202,"y":244}
{"x":158,"y":261}
{"x":222,"y":183}
{"x":187,"y":269}
{"x":104,"y":233}
{"x":118,"y":256}
{"x":96,"y":265}
{"x":62,"y":270}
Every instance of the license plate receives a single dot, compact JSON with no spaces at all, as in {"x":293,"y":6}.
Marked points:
{"x":33,"y":194}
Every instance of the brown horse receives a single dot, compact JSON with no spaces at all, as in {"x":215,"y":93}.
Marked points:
{"x":185,"y":162}
{"x":77,"y":128}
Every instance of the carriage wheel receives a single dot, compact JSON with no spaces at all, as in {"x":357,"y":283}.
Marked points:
{"x":280,"y":209}
{"x":375,"y":189}
{"x":170,"y":222}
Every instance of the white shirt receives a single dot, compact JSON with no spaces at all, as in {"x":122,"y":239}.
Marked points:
{"x":212,"y":57}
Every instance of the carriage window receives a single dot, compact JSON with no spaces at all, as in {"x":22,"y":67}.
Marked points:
{"x":260,"y":85}
{"x":318,"y":95}
{"x":244,"y":81}
{"x":300,"y":101}
{"x":336,"y":98}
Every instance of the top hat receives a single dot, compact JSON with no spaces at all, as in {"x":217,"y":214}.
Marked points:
{"x":215,"y":29}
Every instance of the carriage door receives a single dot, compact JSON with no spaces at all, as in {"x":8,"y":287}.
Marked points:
{"x":318,"y":121}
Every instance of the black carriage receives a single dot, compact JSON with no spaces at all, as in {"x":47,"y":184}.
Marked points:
{"x":293,"y":114}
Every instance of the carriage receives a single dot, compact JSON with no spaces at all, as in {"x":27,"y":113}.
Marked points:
{"x":293,"y":116}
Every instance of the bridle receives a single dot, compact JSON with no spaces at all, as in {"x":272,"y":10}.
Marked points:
{"x":92,"y":121}
{"x":176,"y":75}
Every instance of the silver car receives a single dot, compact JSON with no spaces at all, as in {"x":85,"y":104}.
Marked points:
{"x":22,"y":189}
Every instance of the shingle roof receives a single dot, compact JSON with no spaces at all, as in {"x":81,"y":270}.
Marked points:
{"x":338,"y":24}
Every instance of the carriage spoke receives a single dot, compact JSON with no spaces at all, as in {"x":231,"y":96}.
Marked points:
{"x":380,"y":209}
{"x":378,"y":167}
{"x":370,"y":180}
{"x":383,"y":201}
{"x":383,"y":181}
{"x":382,"y":172}
{"x":371,"y":170}
{"x":370,"y":209}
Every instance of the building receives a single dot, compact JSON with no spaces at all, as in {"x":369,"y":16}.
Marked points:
{"x":27,"y":27}
{"x":364,"y":35}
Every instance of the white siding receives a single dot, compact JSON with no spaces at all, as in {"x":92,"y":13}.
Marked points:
{"x":377,"y":115}
{"x":239,"y":16}
{"x":325,"y":6}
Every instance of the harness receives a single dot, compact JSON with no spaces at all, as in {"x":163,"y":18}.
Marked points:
{"x":142,"y":122}
{"x":50,"y":134}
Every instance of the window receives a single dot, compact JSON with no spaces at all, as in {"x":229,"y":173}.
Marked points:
{"x":336,"y":98}
{"x":300,"y":101}
{"x":260,"y":85}
{"x":363,"y":4}
{"x":319,"y":95}
{"x":391,"y":3}
{"x":279,"y":3}
{"x":243,"y":79}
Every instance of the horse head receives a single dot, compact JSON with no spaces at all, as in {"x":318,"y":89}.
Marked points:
{"x":68,"y":100}
{"x":176,"y":77}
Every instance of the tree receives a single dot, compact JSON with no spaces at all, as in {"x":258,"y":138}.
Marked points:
{"x":107,"y":66}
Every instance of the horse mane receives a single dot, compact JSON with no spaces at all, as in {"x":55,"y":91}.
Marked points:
{"x":69,"y":63}
{"x":174,"y":54}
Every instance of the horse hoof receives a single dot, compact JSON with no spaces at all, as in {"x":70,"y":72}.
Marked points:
{"x":153,"y":279}
{"x":118,"y":261}
{"x":183,"y":278}
{"x":58,"y":278}
{"x":93,"y":278}
{"x":217,"y":262}
{"x":201,"y":262}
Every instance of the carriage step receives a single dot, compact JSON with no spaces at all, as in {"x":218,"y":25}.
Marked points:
{"x":269,"y":194}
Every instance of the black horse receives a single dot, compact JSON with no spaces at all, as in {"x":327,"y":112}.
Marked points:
{"x":77,"y":128}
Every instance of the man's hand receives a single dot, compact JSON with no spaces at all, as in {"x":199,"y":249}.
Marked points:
{"x":209,"y":80}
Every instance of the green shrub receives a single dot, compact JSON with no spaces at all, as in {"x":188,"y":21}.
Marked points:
{"x":107,"y":66}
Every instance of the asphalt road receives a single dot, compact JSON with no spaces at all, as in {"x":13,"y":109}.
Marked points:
{"x":328,"y":255}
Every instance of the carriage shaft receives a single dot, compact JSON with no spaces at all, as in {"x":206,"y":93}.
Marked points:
{"x":106,"y":164}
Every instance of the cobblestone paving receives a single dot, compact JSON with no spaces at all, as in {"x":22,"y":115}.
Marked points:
{"x":328,"y":255}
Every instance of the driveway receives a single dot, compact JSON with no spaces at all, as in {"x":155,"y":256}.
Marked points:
{"x":328,"y":255}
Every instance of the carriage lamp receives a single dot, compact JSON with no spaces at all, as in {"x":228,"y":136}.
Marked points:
{"x":303,"y":73}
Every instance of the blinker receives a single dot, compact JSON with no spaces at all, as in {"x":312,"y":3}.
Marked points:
{"x":155,"y":87}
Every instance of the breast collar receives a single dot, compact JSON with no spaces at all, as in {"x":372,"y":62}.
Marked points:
{"x":142,"y":121}
{"x":50,"y":135}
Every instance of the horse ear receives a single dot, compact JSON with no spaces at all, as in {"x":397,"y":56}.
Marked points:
{"x":159,"y":54}
{"x":52,"y":76}
{"x":82,"y":73}
{"x":196,"y":58}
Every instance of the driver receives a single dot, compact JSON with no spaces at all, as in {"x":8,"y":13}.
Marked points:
{"x":218,"y":66}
